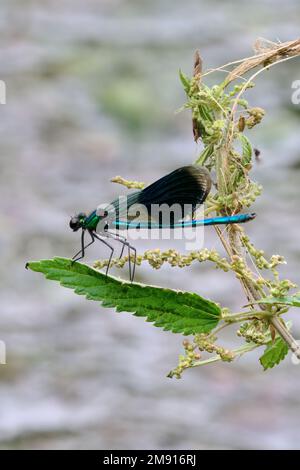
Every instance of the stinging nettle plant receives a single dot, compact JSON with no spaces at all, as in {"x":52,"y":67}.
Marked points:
{"x":220,"y":115}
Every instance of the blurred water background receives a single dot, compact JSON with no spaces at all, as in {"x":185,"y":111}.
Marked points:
{"x":92,"y":90}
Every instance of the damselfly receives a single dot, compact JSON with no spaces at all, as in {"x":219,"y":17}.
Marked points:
{"x":185,"y":188}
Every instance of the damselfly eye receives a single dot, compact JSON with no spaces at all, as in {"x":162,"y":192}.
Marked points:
{"x":75,"y":223}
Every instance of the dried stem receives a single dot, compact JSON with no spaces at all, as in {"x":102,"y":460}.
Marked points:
{"x":270,"y":55}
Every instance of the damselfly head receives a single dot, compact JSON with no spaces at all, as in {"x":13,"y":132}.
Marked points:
{"x":77,"y":221}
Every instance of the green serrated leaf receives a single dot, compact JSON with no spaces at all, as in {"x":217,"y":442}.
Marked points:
{"x":204,"y":155}
{"x":247,"y":149}
{"x":274,"y":353}
{"x":179,"y":312}
{"x":205,"y":113}
{"x":185,"y":81}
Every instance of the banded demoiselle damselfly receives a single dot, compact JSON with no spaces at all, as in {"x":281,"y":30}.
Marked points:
{"x":185,"y":188}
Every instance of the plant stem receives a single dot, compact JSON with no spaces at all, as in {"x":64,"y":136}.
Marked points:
{"x":236,"y":248}
{"x":237,"y":352}
{"x":243,"y":316}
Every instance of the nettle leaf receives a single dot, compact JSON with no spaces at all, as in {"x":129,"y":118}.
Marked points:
{"x":247,"y":148}
{"x":179,"y":312}
{"x":274,"y":353}
{"x":185,"y":81}
{"x":205,"y":113}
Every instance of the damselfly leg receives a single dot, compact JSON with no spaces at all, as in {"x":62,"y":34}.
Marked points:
{"x":93,"y":234}
{"x":81,"y":252}
{"x":121,"y":239}
{"x":114,"y":236}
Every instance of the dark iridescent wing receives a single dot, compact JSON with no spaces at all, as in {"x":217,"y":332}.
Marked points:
{"x":120,"y":207}
{"x":187,"y":186}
